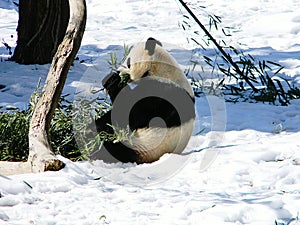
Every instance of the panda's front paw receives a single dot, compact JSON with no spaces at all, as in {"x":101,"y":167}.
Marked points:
{"x":112,"y":85}
{"x":111,"y":80}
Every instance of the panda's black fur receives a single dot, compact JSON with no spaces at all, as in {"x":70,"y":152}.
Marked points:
{"x":167,"y":106}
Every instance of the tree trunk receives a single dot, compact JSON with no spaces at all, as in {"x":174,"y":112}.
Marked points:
{"x":41,"y":157}
{"x":41,"y":28}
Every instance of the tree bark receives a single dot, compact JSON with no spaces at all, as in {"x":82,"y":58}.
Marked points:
{"x":41,"y":157}
{"x":41,"y":28}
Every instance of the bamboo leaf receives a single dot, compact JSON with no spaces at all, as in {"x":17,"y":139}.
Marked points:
{"x":279,"y":70}
{"x":273,"y":63}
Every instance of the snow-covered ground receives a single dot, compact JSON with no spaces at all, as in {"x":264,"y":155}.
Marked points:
{"x":250,"y":176}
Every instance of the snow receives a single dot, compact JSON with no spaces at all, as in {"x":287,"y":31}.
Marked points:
{"x":244,"y":167}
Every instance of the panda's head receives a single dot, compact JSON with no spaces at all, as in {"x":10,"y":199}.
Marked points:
{"x":151,"y":59}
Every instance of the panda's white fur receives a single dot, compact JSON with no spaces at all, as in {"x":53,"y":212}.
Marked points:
{"x":160,"y":64}
{"x":150,"y":143}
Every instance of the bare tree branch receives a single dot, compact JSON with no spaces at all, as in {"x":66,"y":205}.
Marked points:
{"x":227,"y":57}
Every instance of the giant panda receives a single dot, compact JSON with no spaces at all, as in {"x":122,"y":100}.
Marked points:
{"x":156,"y":105}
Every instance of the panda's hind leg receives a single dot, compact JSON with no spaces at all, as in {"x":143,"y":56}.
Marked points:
{"x":111,"y":152}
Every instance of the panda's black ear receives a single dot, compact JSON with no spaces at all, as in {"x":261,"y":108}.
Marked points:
{"x":150,"y":45}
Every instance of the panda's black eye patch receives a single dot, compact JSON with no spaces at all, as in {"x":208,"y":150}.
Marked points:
{"x":146,"y":74}
{"x":128,"y":63}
